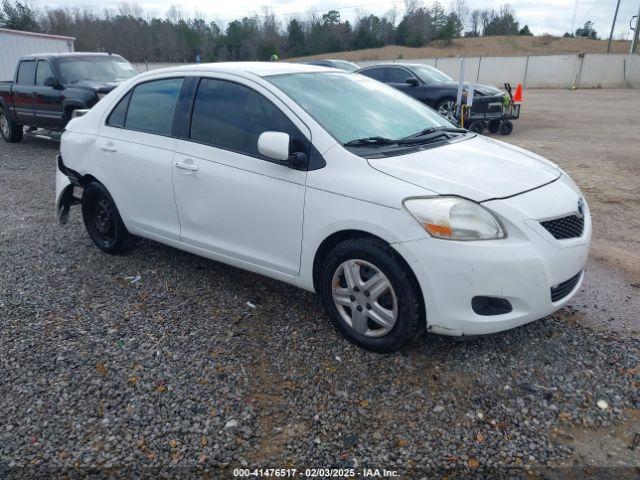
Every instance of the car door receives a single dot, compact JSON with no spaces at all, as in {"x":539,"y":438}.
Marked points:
{"x":135,"y":150}
{"x":397,"y":77}
{"x":232,"y":201}
{"x":48,"y":98}
{"x":24,"y":92}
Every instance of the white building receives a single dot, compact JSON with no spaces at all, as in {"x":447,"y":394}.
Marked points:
{"x":14,"y":44}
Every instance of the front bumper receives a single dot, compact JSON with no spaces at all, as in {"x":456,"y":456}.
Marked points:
{"x":522,"y":268}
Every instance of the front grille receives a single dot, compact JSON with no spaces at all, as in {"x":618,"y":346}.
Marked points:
{"x":565,"y":288}
{"x":562,"y":228}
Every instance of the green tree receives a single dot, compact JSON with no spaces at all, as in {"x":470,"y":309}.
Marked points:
{"x":525,"y":31}
{"x":18,"y":16}
{"x":296,"y":43}
{"x":587,"y":31}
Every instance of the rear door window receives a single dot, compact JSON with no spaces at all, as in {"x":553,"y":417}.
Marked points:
{"x":26,"y":72}
{"x":152,"y":106}
{"x":375,"y":73}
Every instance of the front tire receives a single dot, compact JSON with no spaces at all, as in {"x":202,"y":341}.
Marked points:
{"x":447,"y":108}
{"x":10,"y":130}
{"x":102,"y":219}
{"x":370,"y":296}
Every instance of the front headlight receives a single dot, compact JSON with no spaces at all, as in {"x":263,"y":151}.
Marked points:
{"x":454,"y":218}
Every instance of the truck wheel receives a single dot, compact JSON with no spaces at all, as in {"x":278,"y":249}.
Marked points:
{"x":102,"y":220}
{"x":477,"y":126}
{"x":506,"y":127}
{"x":10,"y":130}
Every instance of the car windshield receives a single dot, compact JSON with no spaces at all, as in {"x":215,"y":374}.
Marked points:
{"x":351,"y":106}
{"x":95,"y":69}
{"x":430,"y":75}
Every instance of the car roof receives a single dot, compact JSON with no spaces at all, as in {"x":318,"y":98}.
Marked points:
{"x":69,"y":55}
{"x":261,"y":69}
{"x":399,"y":64}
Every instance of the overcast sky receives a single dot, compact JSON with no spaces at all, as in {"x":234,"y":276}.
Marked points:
{"x":552,"y":16}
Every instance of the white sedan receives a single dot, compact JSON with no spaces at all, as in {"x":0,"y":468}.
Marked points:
{"x":336,"y":183}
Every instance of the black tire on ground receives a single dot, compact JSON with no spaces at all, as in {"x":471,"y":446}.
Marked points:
{"x":506,"y":127}
{"x":102,"y":220}
{"x":493,"y":126}
{"x":410,"y":319}
{"x":477,"y":126}
{"x":10,"y":130}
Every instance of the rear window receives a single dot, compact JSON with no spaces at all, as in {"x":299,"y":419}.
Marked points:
{"x":27,"y":72}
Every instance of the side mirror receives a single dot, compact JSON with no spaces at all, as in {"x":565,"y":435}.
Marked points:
{"x":50,"y":82}
{"x":412,"y":81}
{"x":274,"y":145}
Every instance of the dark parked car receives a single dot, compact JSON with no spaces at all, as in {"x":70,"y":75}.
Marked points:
{"x":47,"y":88}
{"x":339,"y":64}
{"x":433,"y":87}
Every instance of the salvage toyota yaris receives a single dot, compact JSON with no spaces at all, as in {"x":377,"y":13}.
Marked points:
{"x":336,"y":183}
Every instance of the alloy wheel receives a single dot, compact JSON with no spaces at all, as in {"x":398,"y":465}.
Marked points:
{"x":447,"y":109}
{"x":364,"y":298}
{"x":4,"y":125}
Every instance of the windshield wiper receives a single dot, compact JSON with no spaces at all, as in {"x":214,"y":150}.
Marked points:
{"x":430,"y":130}
{"x":360,"y":142}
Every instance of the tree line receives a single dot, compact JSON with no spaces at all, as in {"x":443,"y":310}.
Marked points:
{"x":175,"y":37}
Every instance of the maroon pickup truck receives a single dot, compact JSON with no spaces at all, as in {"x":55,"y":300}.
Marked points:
{"x":46,"y":88}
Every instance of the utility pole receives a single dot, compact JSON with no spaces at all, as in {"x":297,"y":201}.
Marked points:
{"x":636,"y":32}
{"x":613,"y":26}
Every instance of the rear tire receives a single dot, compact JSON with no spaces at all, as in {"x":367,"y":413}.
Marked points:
{"x":506,"y":127}
{"x":10,"y":130}
{"x":370,"y":296}
{"x":493,"y":126}
{"x":102,"y":220}
{"x":477,"y":126}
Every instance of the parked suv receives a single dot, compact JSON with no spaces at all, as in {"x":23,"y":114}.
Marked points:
{"x":336,"y":183}
{"x":47,"y":88}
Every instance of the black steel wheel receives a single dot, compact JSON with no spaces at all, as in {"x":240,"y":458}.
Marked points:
{"x":102,"y":220}
{"x":477,"y":126}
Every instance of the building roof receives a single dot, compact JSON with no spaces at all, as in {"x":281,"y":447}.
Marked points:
{"x":36,"y":34}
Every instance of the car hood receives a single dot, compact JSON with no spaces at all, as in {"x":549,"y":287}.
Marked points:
{"x":479,"y":88}
{"x":477,"y":168}
{"x":95,"y":86}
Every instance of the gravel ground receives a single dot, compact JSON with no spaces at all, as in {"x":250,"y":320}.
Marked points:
{"x":161,"y":361}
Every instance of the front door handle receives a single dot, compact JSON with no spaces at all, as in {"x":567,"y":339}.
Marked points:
{"x":108,"y":148}
{"x":187,"y":166}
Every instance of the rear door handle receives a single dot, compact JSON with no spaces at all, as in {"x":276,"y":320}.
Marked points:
{"x":108,"y":148}
{"x":187,"y":166}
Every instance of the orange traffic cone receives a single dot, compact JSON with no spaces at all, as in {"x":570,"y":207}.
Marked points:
{"x":518,"y":95}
